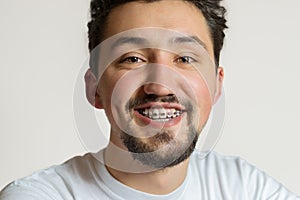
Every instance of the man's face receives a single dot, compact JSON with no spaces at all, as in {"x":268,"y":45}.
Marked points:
{"x":160,"y":120}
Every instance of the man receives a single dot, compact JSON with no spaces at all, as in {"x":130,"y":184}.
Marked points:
{"x":155,"y":71}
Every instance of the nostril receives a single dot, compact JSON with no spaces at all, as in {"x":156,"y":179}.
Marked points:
{"x":157,"y":89}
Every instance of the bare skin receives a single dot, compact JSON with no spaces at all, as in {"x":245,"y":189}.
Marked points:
{"x":177,"y":15}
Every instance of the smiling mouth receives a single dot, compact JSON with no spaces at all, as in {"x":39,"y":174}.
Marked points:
{"x":159,"y":113}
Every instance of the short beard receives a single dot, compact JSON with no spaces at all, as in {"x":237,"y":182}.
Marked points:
{"x":163,"y":149}
{"x":171,"y":154}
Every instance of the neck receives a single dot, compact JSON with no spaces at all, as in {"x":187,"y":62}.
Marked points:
{"x":159,"y":182}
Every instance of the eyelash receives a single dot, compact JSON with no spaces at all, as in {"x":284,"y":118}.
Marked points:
{"x":182,"y":59}
{"x":127,"y":59}
{"x":190,"y":59}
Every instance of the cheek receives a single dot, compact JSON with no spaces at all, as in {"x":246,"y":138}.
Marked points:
{"x":201,"y":89}
{"x":105,"y":90}
{"x":106,"y":87}
{"x":203,"y":97}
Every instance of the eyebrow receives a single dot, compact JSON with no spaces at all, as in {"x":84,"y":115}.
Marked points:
{"x":190,"y":39}
{"x":129,"y":40}
{"x":143,"y":41}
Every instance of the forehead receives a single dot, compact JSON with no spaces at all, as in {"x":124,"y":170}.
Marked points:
{"x":177,"y":15}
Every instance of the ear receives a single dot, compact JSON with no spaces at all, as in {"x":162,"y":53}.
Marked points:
{"x":219,"y":83}
{"x":91,"y":85}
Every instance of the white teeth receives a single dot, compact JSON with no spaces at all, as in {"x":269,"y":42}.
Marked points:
{"x":169,"y":113}
{"x":173,"y":111}
{"x":146,"y":112}
{"x":161,"y":114}
{"x":155,"y":114}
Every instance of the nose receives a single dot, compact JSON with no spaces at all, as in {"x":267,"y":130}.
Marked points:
{"x":157,"y":89}
{"x":159,"y":74}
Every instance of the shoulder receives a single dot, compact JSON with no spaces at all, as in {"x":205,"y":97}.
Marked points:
{"x":232,"y":174}
{"x":224,"y":175}
{"x":215,"y":159}
{"x":49,"y":183}
{"x":221,"y":165}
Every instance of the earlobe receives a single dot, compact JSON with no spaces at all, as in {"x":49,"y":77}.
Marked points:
{"x":219,"y":83}
{"x":91,"y":84}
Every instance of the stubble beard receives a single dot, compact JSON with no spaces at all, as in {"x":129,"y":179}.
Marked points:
{"x":166,"y":148}
{"x":163,"y":151}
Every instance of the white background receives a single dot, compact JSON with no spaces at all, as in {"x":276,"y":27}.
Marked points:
{"x":44,"y":43}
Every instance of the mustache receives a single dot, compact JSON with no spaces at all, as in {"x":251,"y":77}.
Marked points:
{"x":151,"y":98}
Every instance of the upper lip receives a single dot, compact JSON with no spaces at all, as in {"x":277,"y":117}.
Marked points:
{"x":165,"y":105}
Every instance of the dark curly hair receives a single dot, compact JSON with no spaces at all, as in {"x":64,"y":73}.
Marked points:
{"x":213,"y":12}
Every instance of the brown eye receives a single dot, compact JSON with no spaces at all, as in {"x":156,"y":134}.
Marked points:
{"x":185,"y":59}
{"x":132,"y":59}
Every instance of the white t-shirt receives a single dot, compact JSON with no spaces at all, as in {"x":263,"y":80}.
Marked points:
{"x":215,"y":177}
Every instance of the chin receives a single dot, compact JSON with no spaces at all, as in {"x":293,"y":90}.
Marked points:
{"x":161,"y":150}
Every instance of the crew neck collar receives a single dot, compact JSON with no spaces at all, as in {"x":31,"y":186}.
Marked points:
{"x":125,"y":192}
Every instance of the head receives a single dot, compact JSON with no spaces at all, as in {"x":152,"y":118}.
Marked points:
{"x":213,"y":12}
{"x":172,"y":138}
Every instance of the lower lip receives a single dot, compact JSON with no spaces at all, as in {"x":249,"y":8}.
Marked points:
{"x":158,"y":124}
